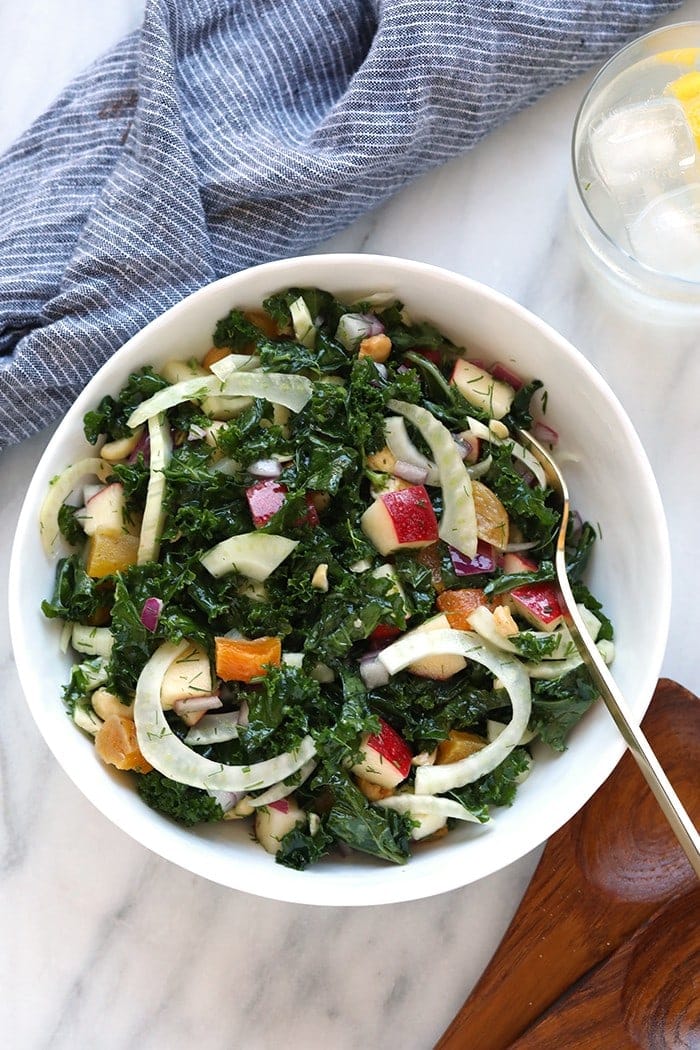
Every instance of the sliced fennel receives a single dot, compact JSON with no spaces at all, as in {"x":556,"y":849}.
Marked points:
{"x":303,"y":323}
{"x":557,"y":668}
{"x":292,"y":391}
{"x":223,"y":368}
{"x":429,"y":805}
{"x":213,"y":729}
{"x":174,"y":759}
{"x":431,"y":780}
{"x":282,"y":790}
{"x":154,"y":510}
{"x":60,"y":488}
{"x":252,"y":554}
{"x":518,"y":451}
{"x":484,"y":623}
{"x":458,"y":521}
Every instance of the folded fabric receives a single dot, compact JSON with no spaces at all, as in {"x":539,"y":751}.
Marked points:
{"x":223,"y":134}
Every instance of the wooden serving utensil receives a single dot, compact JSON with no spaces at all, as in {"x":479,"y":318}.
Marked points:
{"x":599,"y":879}
{"x":645,"y":995}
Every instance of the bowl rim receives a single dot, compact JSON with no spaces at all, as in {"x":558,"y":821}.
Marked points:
{"x":388,"y":884}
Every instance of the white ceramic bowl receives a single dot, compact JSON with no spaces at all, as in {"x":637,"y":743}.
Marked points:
{"x":611,"y":482}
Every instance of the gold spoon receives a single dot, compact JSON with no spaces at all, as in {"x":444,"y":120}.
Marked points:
{"x":661,"y":787}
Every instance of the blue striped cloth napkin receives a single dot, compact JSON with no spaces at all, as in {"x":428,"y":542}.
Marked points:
{"x":223,"y":134}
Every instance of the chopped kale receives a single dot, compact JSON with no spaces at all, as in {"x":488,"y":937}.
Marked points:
{"x":187,"y":805}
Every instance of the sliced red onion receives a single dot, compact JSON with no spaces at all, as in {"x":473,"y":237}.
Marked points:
{"x":464,"y":446}
{"x":353,"y":328}
{"x":143,"y":445}
{"x":410,"y":472}
{"x":227,"y":799}
{"x":373,"y":673}
{"x":483,"y":561}
{"x":150,"y":614}
{"x":382,"y":369}
{"x":196,"y":433}
{"x":265,"y":468}
{"x":506,"y":375}
{"x":544,"y":433}
{"x":195,"y":704}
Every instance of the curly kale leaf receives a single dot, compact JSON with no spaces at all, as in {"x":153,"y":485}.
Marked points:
{"x":237,"y":332}
{"x":111,"y":414}
{"x":382,"y":833}
{"x":526,"y":506}
{"x":507,"y":581}
{"x":559,"y":703}
{"x":497,"y":788}
{"x":301,"y":847}
{"x":325,"y":310}
{"x":520,"y":414}
{"x":424,"y":711}
{"x":76,"y":596}
{"x":187,"y":805}
{"x":84,"y":679}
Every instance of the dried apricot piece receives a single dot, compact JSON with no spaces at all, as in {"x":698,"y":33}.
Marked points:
{"x":117,"y":745}
{"x":492,"y":523}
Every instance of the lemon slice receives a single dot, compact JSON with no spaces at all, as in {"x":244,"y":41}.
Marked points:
{"x":687,"y":90}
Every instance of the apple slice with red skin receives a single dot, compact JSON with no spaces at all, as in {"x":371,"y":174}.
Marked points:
{"x":401,"y":520}
{"x":272,"y":822}
{"x":386,"y":757}
{"x":539,"y":604}
{"x":516,"y":563}
{"x":266,"y":497}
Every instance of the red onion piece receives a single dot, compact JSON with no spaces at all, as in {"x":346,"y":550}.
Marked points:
{"x":265,"y":468}
{"x":409,"y":472}
{"x":506,"y":375}
{"x":194,"y":704}
{"x":143,"y":445}
{"x":227,"y":799}
{"x":483,"y":561}
{"x":353,"y":328}
{"x":544,"y":433}
{"x":150,"y":614}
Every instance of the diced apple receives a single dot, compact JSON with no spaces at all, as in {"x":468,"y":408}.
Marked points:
{"x":106,"y":510}
{"x":386,"y":757}
{"x":401,"y":520}
{"x":266,"y":497}
{"x":441,"y":665}
{"x":539,"y":604}
{"x":189,"y":675}
{"x":516,"y":563}
{"x":264,"y":500}
{"x":480,"y":389}
{"x":274,"y":821}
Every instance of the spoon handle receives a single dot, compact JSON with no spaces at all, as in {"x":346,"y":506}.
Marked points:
{"x":659,"y":784}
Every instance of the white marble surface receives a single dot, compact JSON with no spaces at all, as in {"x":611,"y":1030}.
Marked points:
{"x":103,"y":945}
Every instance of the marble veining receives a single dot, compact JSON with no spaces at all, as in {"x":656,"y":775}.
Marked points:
{"x":105,"y":946}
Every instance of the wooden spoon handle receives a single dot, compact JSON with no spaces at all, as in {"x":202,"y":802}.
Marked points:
{"x":601,"y":876}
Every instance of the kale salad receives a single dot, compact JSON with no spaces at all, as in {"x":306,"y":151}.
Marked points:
{"x":307,"y":582}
